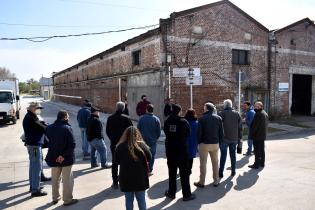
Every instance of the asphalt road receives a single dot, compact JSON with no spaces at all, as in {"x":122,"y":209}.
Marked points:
{"x":287,"y":182}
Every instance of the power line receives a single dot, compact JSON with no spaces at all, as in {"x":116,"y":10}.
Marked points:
{"x":46,"y":38}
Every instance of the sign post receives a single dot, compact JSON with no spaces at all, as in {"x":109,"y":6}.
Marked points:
{"x":239,"y":91}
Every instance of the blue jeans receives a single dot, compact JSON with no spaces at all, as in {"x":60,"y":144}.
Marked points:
{"x":153,"y":151}
{"x":140,"y":196}
{"x":35,"y":167}
{"x":99,"y":146}
{"x":232,"y":151}
{"x":250,"y":146}
{"x":85,"y":144}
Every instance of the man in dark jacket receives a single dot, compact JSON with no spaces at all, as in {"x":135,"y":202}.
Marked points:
{"x":115,"y":126}
{"x":34,"y":130}
{"x":142,"y":105}
{"x":82,"y":118}
{"x":258,"y":132}
{"x":210,"y":133}
{"x":60,"y":157}
{"x":96,"y":139}
{"x":177,"y":130}
{"x":232,"y":125}
{"x":168,"y":107}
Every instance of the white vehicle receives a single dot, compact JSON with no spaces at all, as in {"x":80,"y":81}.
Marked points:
{"x":9,"y":100}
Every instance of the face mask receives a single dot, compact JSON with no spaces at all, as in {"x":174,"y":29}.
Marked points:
{"x":37,"y":112}
{"x":257,"y":110}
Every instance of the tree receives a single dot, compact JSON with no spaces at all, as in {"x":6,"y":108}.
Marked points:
{"x":6,"y":73}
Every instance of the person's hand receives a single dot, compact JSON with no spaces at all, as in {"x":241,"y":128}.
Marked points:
{"x":60,"y":159}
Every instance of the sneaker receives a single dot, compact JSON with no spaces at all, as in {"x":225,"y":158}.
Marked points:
{"x":169,"y":195}
{"x":39,"y":193}
{"x":115,"y":186}
{"x":191,"y":197}
{"x":107,"y":165}
{"x":73,"y":201}
{"x":197,"y":184}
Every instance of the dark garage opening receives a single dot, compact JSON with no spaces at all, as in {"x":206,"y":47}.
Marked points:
{"x":301,"y":94}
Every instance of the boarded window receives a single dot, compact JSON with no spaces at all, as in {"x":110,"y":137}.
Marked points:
{"x":240,"y":57}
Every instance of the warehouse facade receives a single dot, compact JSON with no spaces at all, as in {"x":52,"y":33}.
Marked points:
{"x":220,"y":39}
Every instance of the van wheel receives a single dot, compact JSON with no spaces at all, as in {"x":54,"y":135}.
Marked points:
{"x":18,"y":114}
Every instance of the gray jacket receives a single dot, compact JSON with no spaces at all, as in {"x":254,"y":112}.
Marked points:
{"x":232,"y":124}
{"x":210,"y":129}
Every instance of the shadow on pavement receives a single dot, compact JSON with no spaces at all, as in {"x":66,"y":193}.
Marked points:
{"x":299,"y":134}
{"x":206,"y":195}
{"x":15,"y":200}
{"x":247,"y":180}
{"x":88,"y":202}
{"x":157,"y":190}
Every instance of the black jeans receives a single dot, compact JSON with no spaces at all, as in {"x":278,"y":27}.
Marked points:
{"x":114,"y":165}
{"x":183,"y":167}
{"x":259,"y":150}
{"x":190,"y":165}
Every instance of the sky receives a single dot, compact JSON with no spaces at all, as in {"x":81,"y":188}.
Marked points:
{"x":29,"y":18}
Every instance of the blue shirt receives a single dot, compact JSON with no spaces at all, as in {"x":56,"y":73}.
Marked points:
{"x":150,"y":128}
{"x":83,"y":116}
{"x":249,"y":116}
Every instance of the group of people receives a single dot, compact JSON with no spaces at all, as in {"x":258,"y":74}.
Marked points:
{"x":133,"y":148}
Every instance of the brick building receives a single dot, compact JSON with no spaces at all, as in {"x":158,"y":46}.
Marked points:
{"x":221,"y":40}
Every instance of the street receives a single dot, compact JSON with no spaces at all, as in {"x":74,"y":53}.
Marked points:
{"x":286,"y":182}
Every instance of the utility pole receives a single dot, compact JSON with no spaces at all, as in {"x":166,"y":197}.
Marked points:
{"x":191,"y":77}
{"x":169,"y":60}
{"x":119,"y":89}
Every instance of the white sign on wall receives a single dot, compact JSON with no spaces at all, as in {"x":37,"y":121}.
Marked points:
{"x":283,"y":87}
{"x":197,"y":80}
{"x":183,"y":72}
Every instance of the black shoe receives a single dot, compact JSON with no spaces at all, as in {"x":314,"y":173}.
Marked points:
{"x":40,"y":188}
{"x":262,"y":165}
{"x":169,"y":195}
{"x":45,"y":179}
{"x":115,"y":185}
{"x":191,"y":197}
{"x":247,"y":154}
{"x":220,"y":175}
{"x":253,"y":166}
{"x":55,"y":201}
{"x":73,"y":201}
{"x":233,"y":173}
{"x":197,"y":184}
{"x":95,"y":166}
{"x":39,"y":193}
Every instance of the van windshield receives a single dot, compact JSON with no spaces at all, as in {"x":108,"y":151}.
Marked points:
{"x":6,"y":97}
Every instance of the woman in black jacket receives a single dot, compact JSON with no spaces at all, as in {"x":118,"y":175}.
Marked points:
{"x":133,"y":155}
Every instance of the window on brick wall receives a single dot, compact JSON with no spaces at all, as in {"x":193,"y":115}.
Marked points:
{"x":240,"y":57}
{"x":136,"y":57}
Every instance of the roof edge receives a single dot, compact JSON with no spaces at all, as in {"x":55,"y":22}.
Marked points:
{"x":295,"y":24}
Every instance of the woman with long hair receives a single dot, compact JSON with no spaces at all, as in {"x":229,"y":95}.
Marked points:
{"x":133,"y":155}
{"x":192,"y":141}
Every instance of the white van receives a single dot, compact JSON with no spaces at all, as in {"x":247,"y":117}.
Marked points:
{"x":9,"y":100}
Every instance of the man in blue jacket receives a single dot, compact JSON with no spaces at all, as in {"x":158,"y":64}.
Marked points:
{"x":82,"y":117}
{"x":249,"y":116}
{"x":150,"y":128}
{"x":60,"y":157}
{"x":34,"y":130}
